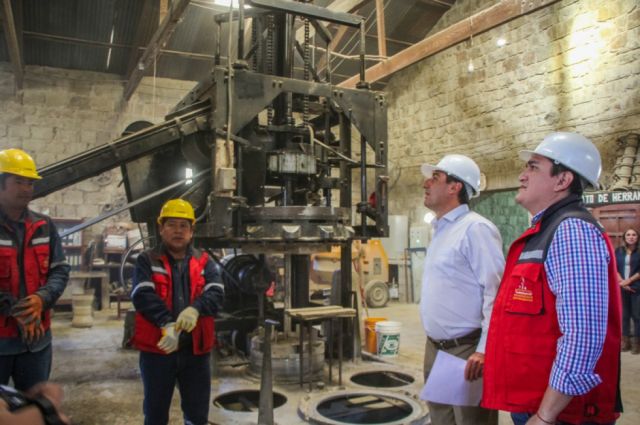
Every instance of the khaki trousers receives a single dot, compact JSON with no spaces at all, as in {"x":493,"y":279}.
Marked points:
{"x":444,"y":414}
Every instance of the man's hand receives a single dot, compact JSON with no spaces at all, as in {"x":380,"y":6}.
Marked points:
{"x":31,"y":331}
{"x":53,"y":393}
{"x":28,"y":309}
{"x":169,"y":341}
{"x":7,"y":301}
{"x":473,"y":369}
{"x":49,"y":390}
{"x":187,"y":319}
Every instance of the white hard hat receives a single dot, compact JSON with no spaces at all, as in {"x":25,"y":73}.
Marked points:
{"x":461,"y":167}
{"x":572,"y":150}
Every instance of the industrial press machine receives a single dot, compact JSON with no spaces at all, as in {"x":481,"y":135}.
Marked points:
{"x":282,"y":162}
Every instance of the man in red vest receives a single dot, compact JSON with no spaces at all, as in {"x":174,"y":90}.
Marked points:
{"x":176,"y":293}
{"x":33,"y":275}
{"x":553,"y":350}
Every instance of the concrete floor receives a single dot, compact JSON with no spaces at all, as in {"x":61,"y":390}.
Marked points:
{"x":102,"y":382}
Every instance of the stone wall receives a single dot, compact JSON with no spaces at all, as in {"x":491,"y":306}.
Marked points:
{"x":573,"y":66}
{"x":60,"y":113}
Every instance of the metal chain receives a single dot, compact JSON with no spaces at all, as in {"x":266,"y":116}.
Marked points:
{"x":269,"y":60}
{"x":254,"y":41}
{"x":307,"y":65}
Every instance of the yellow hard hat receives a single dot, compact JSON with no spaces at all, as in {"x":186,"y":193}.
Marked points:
{"x":177,"y":208}
{"x":18,"y":162}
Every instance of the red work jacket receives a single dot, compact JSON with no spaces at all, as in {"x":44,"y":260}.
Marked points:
{"x":524,"y":332}
{"x":147,"y":335}
{"x":32,"y":260}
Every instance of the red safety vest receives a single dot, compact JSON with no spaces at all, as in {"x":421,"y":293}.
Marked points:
{"x":524,"y":332}
{"x":34,"y":255}
{"x":146,"y":335}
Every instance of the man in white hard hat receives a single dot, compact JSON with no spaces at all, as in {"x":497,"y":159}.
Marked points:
{"x":553,"y":352}
{"x":33,"y":275}
{"x":463,"y":266}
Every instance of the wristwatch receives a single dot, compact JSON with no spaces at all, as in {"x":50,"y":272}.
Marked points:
{"x":49,"y":412}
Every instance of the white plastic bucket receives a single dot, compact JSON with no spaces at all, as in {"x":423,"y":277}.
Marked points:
{"x":388,"y":336}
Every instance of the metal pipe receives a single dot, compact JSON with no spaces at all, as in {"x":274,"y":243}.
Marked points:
{"x":240,"y":30}
{"x":331,"y":342}
{"x":310,"y":348}
{"x":265,"y":406}
{"x":98,"y":219}
{"x":218,"y":35}
{"x":340,"y":348}
{"x":301,"y":351}
{"x":363,"y":51}
{"x":287,"y":294}
{"x":363,"y":184}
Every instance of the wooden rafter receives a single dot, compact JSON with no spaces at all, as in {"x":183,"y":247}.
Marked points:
{"x":141,"y":28}
{"x":161,"y":36}
{"x":12,"y":38}
{"x":480,"y":22}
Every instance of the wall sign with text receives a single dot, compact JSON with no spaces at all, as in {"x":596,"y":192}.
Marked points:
{"x":592,"y":199}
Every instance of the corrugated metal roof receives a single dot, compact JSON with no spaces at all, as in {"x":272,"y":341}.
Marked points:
{"x":77,"y":34}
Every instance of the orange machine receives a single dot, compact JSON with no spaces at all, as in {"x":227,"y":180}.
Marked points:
{"x":370,"y":271}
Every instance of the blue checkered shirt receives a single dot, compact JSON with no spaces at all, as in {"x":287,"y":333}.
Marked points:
{"x":577,"y":272}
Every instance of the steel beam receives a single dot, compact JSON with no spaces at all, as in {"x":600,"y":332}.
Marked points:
{"x":309,"y":11}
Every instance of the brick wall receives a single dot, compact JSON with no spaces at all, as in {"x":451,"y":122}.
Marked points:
{"x":573,"y":66}
{"x":60,"y":113}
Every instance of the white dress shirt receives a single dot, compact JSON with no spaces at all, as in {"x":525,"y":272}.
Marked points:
{"x":462,"y":272}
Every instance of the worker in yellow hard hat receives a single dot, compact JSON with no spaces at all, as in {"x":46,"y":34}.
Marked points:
{"x":33,"y":275}
{"x":177,"y":291}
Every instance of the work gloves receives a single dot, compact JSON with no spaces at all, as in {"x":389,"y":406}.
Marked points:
{"x":169,"y":341}
{"x":187,"y":319}
{"x":7,"y":301}
{"x":28,"y":314}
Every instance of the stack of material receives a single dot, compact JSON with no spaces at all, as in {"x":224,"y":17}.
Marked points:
{"x":626,"y":173}
{"x":316,"y":313}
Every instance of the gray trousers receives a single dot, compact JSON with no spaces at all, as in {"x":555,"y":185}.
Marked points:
{"x":444,"y":414}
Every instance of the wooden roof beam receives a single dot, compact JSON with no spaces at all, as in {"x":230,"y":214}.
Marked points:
{"x":143,"y":24}
{"x":161,"y":36}
{"x":480,"y":22}
{"x":12,"y":37}
{"x":349,"y":6}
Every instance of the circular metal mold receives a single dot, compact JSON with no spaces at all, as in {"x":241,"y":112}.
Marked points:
{"x":362,"y":407}
{"x":382,"y":379}
{"x":245,"y":400}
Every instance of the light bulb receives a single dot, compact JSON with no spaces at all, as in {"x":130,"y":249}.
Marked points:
{"x":470,"y":67}
{"x":501,"y":41}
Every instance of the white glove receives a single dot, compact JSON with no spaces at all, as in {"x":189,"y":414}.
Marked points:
{"x":169,"y":341}
{"x":187,"y":319}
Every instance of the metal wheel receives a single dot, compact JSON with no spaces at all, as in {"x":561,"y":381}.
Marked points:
{"x":376,"y":293}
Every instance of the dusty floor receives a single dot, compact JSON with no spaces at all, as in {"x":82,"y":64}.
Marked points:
{"x":102,"y":382}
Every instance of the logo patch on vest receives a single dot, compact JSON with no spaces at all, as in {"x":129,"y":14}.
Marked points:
{"x":522,"y":293}
{"x":535,"y":254}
